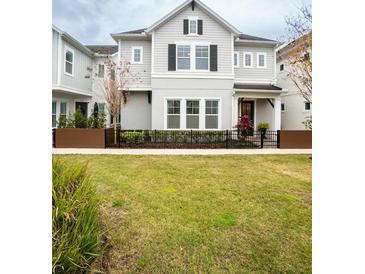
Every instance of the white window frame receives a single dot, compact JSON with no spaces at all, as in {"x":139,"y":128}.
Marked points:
{"x":283,"y":104}
{"x":238,"y":59}
{"x":207,"y":69}
{"x":192,"y":55}
{"x":64,"y":61}
{"x":55,"y":114}
{"x":99,"y":70}
{"x":167,"y":113}
{"x":244,"y":59}
{"x":195,"y":19}
{"x":310,"y":107}
{"x":201,"y":112}
{"x":258,"y":57}
{"x":133,"y":53}
{"x":186,"y":112}
{"x":63,"y":102}
{"x":191,"y":60}
{"x":217,"y":115}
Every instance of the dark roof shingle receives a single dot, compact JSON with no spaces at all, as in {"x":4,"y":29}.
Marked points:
{"x":257,"y":86}
{"x":103,"y":49}
{"x":137,"y":31}
{"x":255,"y":38}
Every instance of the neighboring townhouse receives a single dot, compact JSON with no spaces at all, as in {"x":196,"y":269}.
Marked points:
{"x":196,"y":71}
{"x":294,"y":108}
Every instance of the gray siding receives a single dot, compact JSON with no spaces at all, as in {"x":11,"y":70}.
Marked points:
{"x":81,"y":64}
{"x":255,"y":74}
{"x":55,"y":36}
{"x":213,"y":32}
{"x":142,"y":71}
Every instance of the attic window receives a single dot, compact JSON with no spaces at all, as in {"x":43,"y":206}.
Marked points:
{"x":193,"y":25}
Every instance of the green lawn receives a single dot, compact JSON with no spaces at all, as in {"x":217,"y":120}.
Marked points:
{"x":207,"y":214}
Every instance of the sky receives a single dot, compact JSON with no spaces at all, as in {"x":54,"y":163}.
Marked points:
{"x":92,"y":21}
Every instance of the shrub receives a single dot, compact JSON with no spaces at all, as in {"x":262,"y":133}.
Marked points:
{"x":96,"y":120}
{"x":132,"y":137}
{"x":76,"y":230}
{"x":263,"y":126}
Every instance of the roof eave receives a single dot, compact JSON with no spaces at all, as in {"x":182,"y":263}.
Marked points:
{"x":257,"y":41}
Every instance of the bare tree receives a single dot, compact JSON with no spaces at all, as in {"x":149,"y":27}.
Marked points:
{"x":116,"y":83}
{"x":299,"y":50}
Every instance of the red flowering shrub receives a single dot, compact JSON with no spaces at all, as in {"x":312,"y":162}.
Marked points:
{"x":244,"y":124}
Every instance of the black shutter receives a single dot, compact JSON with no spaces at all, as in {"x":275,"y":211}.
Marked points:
{"x":186,"y":26}
{"x":172,"y":57}
{"x":213,"y":58}
{"x":200,"y":27}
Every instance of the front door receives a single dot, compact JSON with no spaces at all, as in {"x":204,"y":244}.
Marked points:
{"x":247,"y":108}
{"x":83,"y":107}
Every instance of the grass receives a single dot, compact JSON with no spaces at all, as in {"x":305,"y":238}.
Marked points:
{"x":76,"y":230}
{"x":207,"y":214}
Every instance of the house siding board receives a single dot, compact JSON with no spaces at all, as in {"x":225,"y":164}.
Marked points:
{"x":213,"y":32}
{"x":142,"y":71}
{"x":55,"y":36}
{"x":80,"y":69}
{"x":255,"y":74}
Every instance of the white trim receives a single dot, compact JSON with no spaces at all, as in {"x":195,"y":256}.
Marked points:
{"x":201,"y":112}
{"x":67,"y":48}
{"x":244,"y":59}
{"x":184,"y":75}
{"x":141,"y":55}
{"x":238,"y":59}
{"x":232,"y":50}
{"x":68,"y":89}
{"x":119,"y":50}
{"x":153,"y":53}
{"x":257,"y":60}
{"x":59,"y":65}
{"x":274,"y":66}
{"x":253,"y":81}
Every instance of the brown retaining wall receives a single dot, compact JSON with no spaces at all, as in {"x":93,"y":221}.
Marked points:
{"x":80,"y":138}
{"x":295,"y":139}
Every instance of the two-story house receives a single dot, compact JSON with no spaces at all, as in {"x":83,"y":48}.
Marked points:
{"x":196,"y":71}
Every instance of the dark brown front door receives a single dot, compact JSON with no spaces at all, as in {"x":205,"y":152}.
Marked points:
{"x":247,"y":108}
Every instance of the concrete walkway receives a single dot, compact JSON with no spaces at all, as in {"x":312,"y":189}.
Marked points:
{"x":179,"y":151}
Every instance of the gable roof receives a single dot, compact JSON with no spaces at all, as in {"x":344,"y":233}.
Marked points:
{"x":200,"y":5}
{"x":137,"y":31}
{"x":253,"y":38}
{"x":103,"y":49}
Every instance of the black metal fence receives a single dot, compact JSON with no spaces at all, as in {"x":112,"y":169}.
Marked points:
{"x":190,"y":139}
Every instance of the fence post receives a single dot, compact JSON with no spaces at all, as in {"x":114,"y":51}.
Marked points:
{"x":262,"y":138}
{"x":227,"y":138}
{"x":278,"y":139}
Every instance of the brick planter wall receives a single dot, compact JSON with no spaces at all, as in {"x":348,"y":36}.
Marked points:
{"x":80,"y":138}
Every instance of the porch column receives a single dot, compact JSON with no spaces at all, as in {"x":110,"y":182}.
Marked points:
{"x":234,"y":110}
{"x":277,"y":113}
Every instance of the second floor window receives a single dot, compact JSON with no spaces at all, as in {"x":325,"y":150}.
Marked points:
{"x":183,"y":57}
{"x":201,"y":57}
{"x":137,"y":55}
{"x":69,"y":60}
{"x":101,"y":71}
{"x":261,"y":60}
{"x":236,"y":59}
{"x":247,"y":60}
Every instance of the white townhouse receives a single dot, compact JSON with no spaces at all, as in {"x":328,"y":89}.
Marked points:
{"x":294,"y":108}
{"x":196,"y":71}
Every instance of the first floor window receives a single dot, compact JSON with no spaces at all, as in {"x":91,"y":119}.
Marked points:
{"x":282,"y":107}
{"x":261,"y":60}
{"x":192,"y":114}
{"x":236,"y":58}
{"x":307,"y":106}
{"x":183,"y":57}
{"x":201,"y":57}
{"x":54,"y":113}
{"x":101,"y":71}
{"x":63,"y":109}
{"x":247,"y":60}
{"x":211,"y":114}
{"x":173,"y":114}
{"x":101,"y":107}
